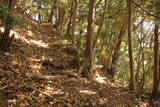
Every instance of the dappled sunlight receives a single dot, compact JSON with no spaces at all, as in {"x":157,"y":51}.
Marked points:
{"x":144,"y":104}
{"x":38,"y":43}
{"x":29,"y":33}
{"x":87,"y":92}
{"x":100,"y":79}
{"x":1,"y":29}
{"x":15,"y":62}
{"x":103,"y":101}
{"x":36,"y":68}
{"x":52,"y":91}
{"x":11,"y":32}
{"x":34,"y":59}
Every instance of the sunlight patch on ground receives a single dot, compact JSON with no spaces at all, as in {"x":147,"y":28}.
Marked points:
{"x":36,"y":68}
{"x":29,"y":33}
{"x":51,"y":91}
{"x":14,"y":62}
{"x":103,"y":101}
{"x":34,"y":59}
{"x":99,"y":78}
{"x":88,"y":92}
{"x":38,"y":43}
{"x":12,"y":101}
{"x":143,"y":104}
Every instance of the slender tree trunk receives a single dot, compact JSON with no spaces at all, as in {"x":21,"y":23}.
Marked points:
{"x":156,"y":49}
{"x":54,"y":11}
{"x":101,"y":25}
{"x":76,"y":3}
{"x":142,"y":42}
{"x":39,"y":11}
{"x":99,"y":30}
{"x":51,"y":14}
{"x":116,"y":51}
{"x":132,"y":76}
{"x":88,"y":50}
{"x":144,"y":71}
{"x":111,"y":50}
{"x":70,"y":22}
{"x":101,"y":49}
{"x":138,"y":67}
{"x":60,"y":16}
{"x":5,"y":41}
{"x":159,"y":73}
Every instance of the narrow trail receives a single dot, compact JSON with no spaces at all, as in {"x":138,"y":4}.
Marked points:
{"x":39,"y":72}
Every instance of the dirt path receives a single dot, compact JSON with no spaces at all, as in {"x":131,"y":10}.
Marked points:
{"x":38,"y":72}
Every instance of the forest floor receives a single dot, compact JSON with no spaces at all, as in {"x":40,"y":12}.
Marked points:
{"x":38,"y":72}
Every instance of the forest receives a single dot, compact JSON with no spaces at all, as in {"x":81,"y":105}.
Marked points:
{"x":79,"y":53}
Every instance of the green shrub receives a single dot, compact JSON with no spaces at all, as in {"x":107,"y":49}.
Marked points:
{"x":8,"y":18}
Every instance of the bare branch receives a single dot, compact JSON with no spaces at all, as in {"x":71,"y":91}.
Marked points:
{"x":147,"y":12}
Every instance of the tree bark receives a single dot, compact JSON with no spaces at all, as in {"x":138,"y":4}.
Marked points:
{"x":132,"y":76}
{"x":142,"y":42}
{"x":53,"y":11}
{"x":159,"y":73}
{"x":51,"y":14}
{"x":60,"y":16}
{"x":116,"y":51}
{"x":76,"y":3}
{"x":70,"y":22}
{"x":101,"y":24}
{"x":138,"y":67}
{"x":39,"y":11}
{"x":88,"y":49}
{"x":156,"y":49}
{"x":99,"y":29}
{"x":5,"y":41}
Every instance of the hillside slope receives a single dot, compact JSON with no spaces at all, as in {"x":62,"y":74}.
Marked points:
{"x":39,"y":72}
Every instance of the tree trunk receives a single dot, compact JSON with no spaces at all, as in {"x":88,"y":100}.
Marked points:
{"x":5,"y":41}
{"x":76,"y":3}
{"x":99,"y":29}
{"x":60,"y":14}
{"x":138,"y":67}
{"x":156,"y":49}
{"x":70,"y":22}
{"x":143,"y":79}
{"x":39,"y":11}
{"x":51,"y":14}
{"x":53,"y":11}
{"x":88,"y":49}
{"x":107,"y":60}
{"x":159,"y":73}
{"x":142,"y":42}
{"x":116,"y":52}
{"x":132,"y":77}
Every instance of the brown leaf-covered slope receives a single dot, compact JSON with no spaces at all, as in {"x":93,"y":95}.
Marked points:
{"x":39,"y":72}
